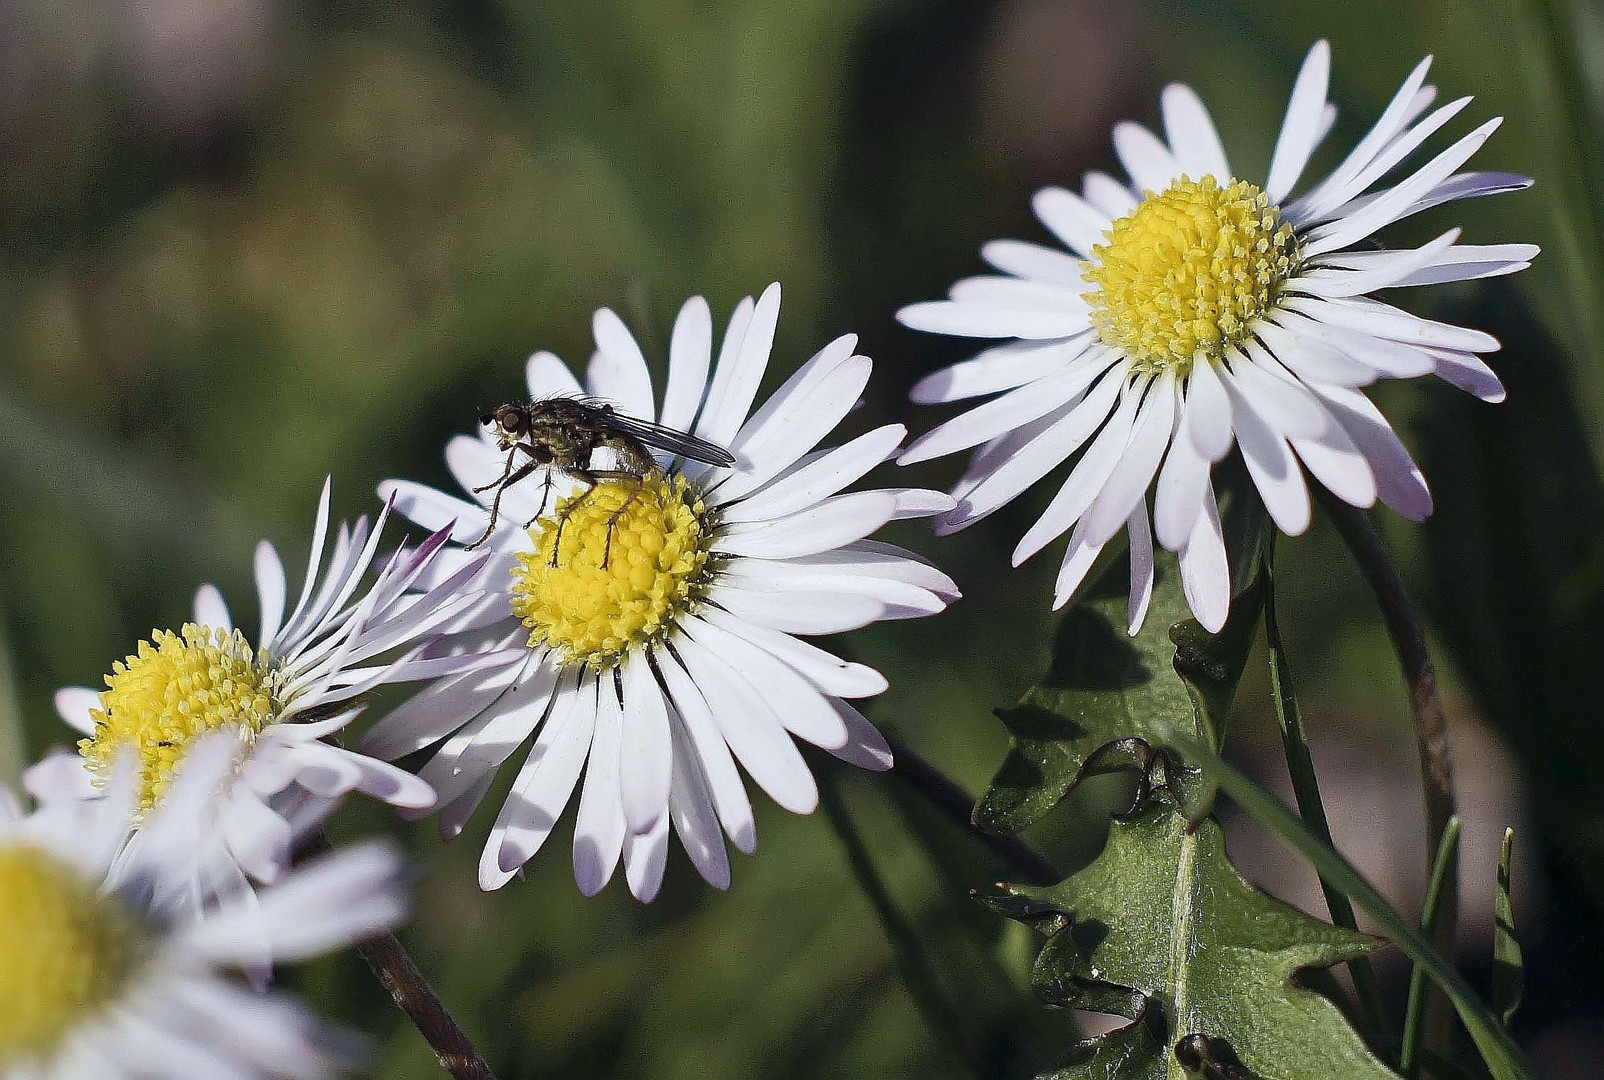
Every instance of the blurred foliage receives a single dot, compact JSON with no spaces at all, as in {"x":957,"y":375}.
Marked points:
{"x":246,"y":244}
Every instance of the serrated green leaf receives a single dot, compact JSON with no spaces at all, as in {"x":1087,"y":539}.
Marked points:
{"x":1108,"y":698}
{"x":1161,"y":929}
{"x":1503,"y":1058}
{"x":1509,"y":966}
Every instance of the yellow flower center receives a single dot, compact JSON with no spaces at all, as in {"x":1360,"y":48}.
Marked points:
{"x":67,"y":951}
{"x":178,"y":686}
{"x":1188,"y":271}
{"x":601,"y":597}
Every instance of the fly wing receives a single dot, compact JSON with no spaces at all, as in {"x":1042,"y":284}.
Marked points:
{"x":668,"y":439}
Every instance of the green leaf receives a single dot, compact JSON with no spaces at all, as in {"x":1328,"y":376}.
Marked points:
{"x":1504,"y":1059}
{"x":1161,"y":929}
{"x":1108,"y":699}
{"x":1509,"y":966}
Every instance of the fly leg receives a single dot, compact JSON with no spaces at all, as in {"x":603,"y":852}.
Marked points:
{"x":512,"y":455}
{"x":594,"y":477}
{"x":495,"y":504}
{"x":634,"y":493}
{"x":585,"y":476}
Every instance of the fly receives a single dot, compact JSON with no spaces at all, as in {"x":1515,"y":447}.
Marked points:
{"x":562,"y":433}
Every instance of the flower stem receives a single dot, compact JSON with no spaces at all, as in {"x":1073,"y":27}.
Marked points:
{"x":1311,"y":808}
{"x":1425,"y":703}
{"x":959,"y":806}
{"x":393,"y":967}
{"x":411,"y":991}
{"x":1409,"y":641}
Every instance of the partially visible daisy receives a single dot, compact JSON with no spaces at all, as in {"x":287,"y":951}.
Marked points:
{"x":279,"y":698}
{"x":655,"y":667}
{"x":1194,"y":311}
{"x":102,"y":977}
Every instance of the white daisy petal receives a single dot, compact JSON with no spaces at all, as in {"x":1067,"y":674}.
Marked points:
{"x":645,"y":857}
{"x":1468,"y":372}
{"x":618,"y":371}
{"x":1396,"y":151}
{"x":1145,"y":157}
{"x":753,"y":732}
{"x":1393,"y":324}
{"x":1073,"y":220}
{"x":1300,"y":131}
{"x":1211,"y":425}
{"x":724,"y":780}
{"x":272,"y":590}
{"x":695,"y":821}
{"x":837,"y":520}
{"x":435,"y":509}
{"x":74,"y":704}
{"x":735,"y":383}
{"x":818,"y":479}
{"x":547,"y":376}
{"x":798,"y":416}
{"x":1038,"y":263}
{"x":1397,"y":113}
{"x":1086,"y":479}
{"x":1002,"y":367}
{"x":1078,"y":559}
{"x":1127,"y":484}
{"x":599,"y":827}
{"x":1399,"y":481}
{"x":1272,"y":466}
{"x":829,"y":673}
{"x":1356,"y":226}
{"x":1283,"y":403}
{"x":1002,"y":414}
{"x":1311,"y":359}
{"x":801,"y":612}
{"x":690,"y":351}
{"x":646,"y":751}
{"x":1108,"y":195}
{"x":865,"y":746}
{"x":1140,"y":531}
{"x":1178,"y":498}
{"x":210,"y":610}
{"x":1191,"y":134}
{"x":1205,"y":573}
{"x":1392,"y":359}
{"x":546,"y":781}
{"x":1384,"y":276}
{"x":969,"y":319}
{"x":800,"y":707}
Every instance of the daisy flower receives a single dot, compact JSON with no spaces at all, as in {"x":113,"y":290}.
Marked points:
{"x":1195,"y":310}
{"x":278,"y":699}
{"x":104,"y":978}
{"x":655,"y":665}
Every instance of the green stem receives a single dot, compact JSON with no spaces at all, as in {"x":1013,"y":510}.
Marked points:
{"x":1444,"y":870}
{"x":1306,"y":789}
{"x":917,"y":973}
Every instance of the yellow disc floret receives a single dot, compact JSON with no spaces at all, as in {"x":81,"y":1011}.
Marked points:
{"x":599,"y":598}
{"x":66,"y":952}
{"x":175,"y":687}
{"x":1188,"y":271}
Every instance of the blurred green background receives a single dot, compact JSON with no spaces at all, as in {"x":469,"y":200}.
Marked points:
{"x":245,"y":243}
